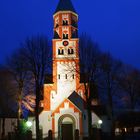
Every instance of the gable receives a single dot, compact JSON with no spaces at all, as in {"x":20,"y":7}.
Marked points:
{"x":66,"y":104}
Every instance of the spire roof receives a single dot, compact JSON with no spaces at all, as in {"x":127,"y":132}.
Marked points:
{"x":65,"y":5}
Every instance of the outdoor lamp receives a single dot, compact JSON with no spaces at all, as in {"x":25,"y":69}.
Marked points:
{"x":29,"y":123}
{"x":100,"y":122}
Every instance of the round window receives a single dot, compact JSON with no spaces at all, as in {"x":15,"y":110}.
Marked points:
{"x":65,"y":43}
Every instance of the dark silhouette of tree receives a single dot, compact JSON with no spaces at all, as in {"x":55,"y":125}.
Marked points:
{"x":37,"y":54}
{"x":89,"y":65}
{"x":110,"y":69}
{"x":99,"y":72}
{"x":7,"y":99}
{"x":130,"y":83}
{"x":17,"y":66}
{"x":28,"y":66}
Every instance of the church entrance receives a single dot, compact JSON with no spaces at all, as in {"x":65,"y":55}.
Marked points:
{"x":66,"y":127}
{"x":67,"y":131}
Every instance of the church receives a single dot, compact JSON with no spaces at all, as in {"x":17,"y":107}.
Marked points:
{"x":64,"y":103}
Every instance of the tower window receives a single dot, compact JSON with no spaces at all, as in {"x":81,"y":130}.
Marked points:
{"x":58,"y":76}
{"x":65,"y":22}
{"x":60,"y":51}
{"x":65,"y":36}
{"x":70,"y":51}
{"x":66,"y":76}
{"x":73,"y":76}
{"x":56,"y":25}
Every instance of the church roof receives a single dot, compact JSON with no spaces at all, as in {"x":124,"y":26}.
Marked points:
{"x":77,"y":101}
{"x":65,"y":5}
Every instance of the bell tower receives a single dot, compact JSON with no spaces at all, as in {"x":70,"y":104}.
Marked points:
{"x":65,"y":41}
{"x":65,"y":51}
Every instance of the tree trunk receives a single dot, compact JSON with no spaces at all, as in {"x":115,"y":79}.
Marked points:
{"x":3,"y":128}
{"x":37,"y":114}
{"x":19,"y":105}
{"x":89,"y":121}
{"x":111,"y":114}
{"x":88,"y":110}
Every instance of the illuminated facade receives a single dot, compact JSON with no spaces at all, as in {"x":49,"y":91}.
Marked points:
{"x":64,"y":101}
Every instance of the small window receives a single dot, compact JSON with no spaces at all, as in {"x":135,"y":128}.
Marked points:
{"x":56,"y":25}
{"x":84,"y":116}
{"x":65,"y":36}
{"x":70,"y":51}
{"x":58,"y":76}
{"x":60,"y":51}
{"x":65,"y":22}
{"x":73,"y":76}
{"x":66,"y":76}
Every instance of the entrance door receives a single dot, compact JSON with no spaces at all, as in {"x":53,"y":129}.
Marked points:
{"x":67,"y":131}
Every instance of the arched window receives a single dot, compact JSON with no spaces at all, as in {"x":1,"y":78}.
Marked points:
{"x":60,"y":51}
{"x":65,"y":22}
{"x":70,"y":51}
{"x":65,"y":36}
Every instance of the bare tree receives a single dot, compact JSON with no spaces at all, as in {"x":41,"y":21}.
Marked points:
{"x":37,"y":54}
{"x":108,"y":84}
{"x":100,"y":74}
{"x":7,"y":99}
{"x":89,"y":69}
{"x":17,"y":66}
{"x":130,"y":83}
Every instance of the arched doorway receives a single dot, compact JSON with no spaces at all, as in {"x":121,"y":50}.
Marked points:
{"x":66,"y":127}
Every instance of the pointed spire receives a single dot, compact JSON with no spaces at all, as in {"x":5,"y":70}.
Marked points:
{"x":65,"y":5}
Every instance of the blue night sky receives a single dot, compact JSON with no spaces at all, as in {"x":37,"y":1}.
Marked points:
{"x":113,"y":24}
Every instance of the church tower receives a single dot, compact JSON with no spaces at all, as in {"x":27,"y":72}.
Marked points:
{"x":65,"y":50}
